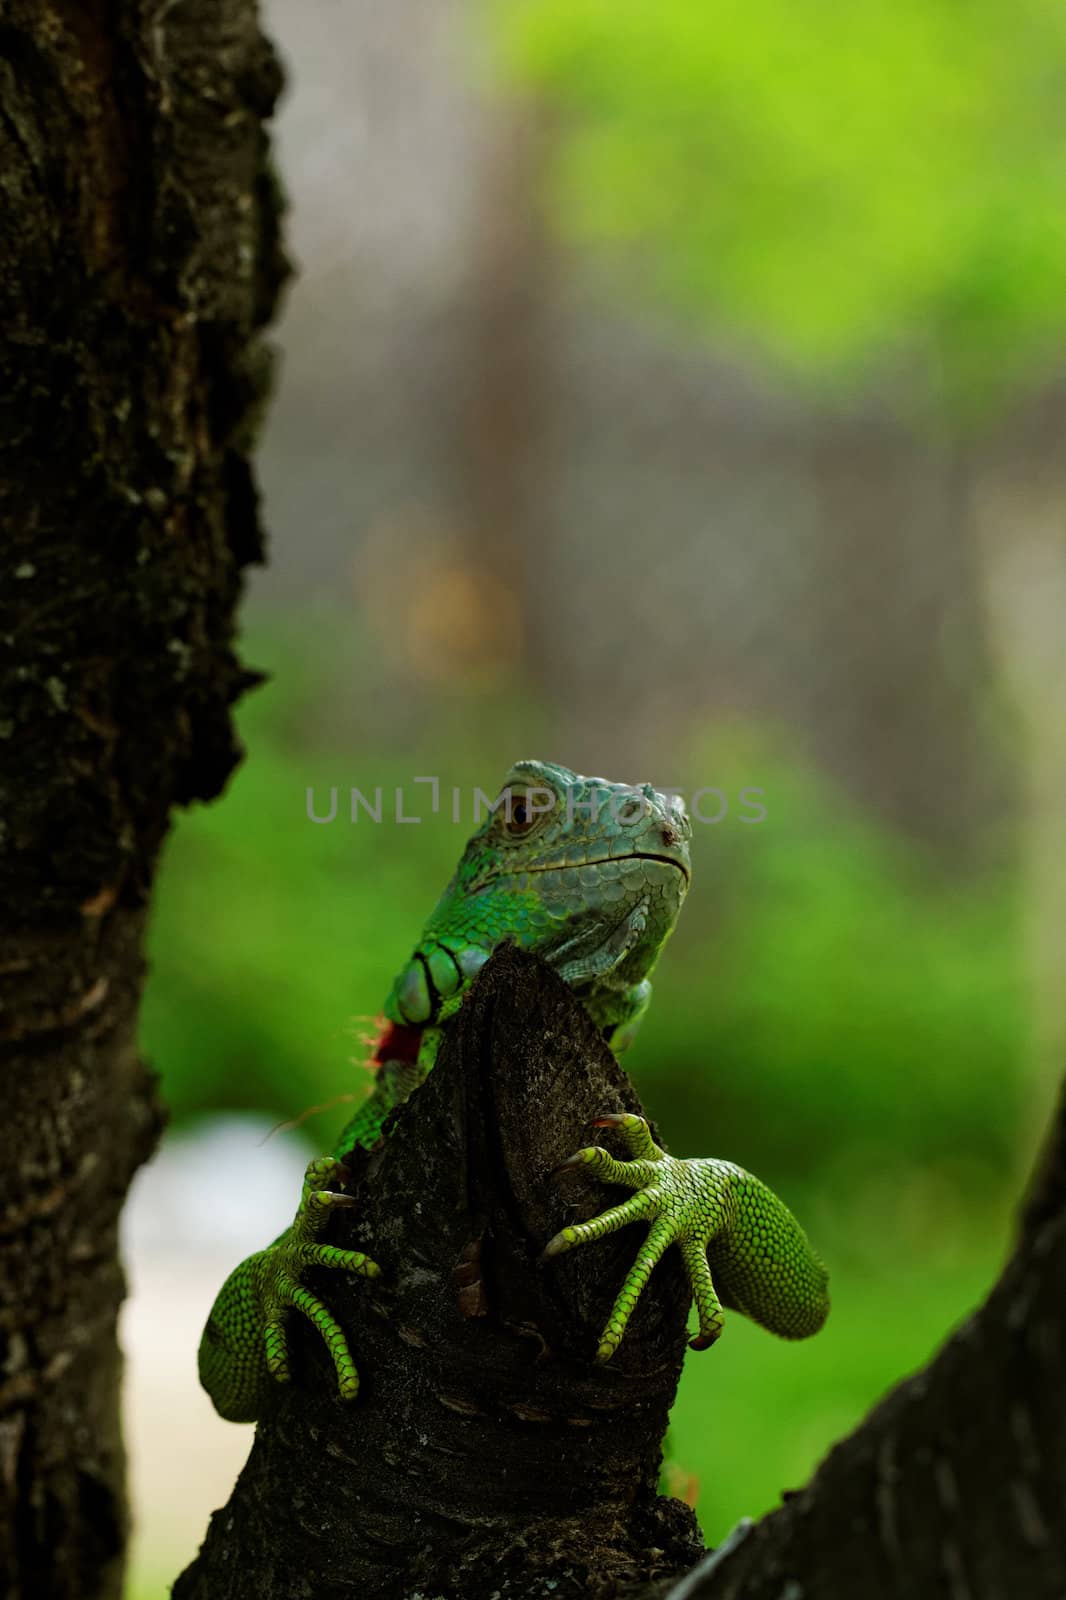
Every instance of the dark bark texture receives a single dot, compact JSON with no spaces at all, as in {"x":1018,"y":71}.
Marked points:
{"x":486,"y":1453}
{"x":139,"y":259}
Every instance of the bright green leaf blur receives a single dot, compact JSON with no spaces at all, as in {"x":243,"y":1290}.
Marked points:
{"x":837,"y":185}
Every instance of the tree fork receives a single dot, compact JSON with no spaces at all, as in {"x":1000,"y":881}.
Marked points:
{"x":139,"y":261}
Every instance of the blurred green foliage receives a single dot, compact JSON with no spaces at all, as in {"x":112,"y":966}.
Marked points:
{"x":830,"y":1013}
{"x":837,"y":183}
{"x":836,"y":966}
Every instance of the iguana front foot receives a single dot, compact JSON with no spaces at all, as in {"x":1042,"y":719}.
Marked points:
{"x":735,"y":1236}
{"x":245,"y":1342}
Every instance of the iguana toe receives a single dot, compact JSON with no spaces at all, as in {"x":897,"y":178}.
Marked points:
{"x":730,"y":1228}
{"x":245,"y":1343}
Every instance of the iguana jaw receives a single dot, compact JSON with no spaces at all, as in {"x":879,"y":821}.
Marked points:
{"x":609,"y":861}
{"x":608,"y":926}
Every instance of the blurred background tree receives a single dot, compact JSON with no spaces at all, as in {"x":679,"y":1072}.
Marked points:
{"x":675,"y":391}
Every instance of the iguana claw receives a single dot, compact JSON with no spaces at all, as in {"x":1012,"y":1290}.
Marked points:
{"x":719,"y":1216}
{"x":264,"y":1289}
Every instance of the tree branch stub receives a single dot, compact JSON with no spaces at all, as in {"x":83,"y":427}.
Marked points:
{"x":486,"y":1453}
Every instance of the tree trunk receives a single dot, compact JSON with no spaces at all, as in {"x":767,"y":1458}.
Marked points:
{"x":138,"y":259}
{"x":486,"y":1453}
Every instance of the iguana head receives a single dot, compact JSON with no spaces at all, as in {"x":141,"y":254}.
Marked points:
{"x":587,"y":873}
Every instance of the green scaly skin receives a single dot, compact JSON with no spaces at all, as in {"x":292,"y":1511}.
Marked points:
{"x":591,"y":876}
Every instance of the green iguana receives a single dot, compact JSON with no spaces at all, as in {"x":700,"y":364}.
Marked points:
{"x":591,"y":875}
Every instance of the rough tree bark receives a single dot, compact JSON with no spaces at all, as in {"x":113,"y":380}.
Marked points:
{"x":487,"y":1456}
{"x":139,"y":257}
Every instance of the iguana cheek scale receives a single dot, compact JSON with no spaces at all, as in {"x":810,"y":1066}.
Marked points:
{"x":591,"y":876}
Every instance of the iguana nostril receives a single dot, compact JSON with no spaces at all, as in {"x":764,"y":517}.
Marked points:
{"x":669,"y":834}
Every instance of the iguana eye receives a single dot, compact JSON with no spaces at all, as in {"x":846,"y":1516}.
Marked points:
{"x":521,"y":813}
{"x":519,"y":816}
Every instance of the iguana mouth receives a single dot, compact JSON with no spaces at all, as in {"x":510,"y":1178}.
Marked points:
{"x":610,"y":861}
{"x":668,"y":861}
